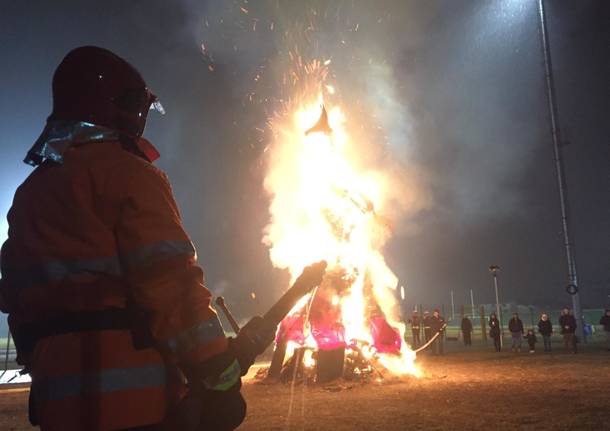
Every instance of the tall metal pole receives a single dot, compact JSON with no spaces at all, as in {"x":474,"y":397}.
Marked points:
{"x":553,"y":113}
{"x":494,"y":272}
{"x":498,"y":312}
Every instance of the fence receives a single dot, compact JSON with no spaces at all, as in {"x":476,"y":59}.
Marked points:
{"x":529,"y":315}
{"x":8,"y":357}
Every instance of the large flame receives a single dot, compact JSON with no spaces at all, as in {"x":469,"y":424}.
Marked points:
{"x":325,"y":205}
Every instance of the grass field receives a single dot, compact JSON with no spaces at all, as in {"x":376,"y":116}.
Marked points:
{"x":459,"y":391}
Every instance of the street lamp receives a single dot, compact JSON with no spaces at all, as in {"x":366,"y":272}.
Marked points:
{"x":493,"y":269}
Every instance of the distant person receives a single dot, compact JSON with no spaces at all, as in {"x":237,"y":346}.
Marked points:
{"x":437,"y":324}
{"x":427,"y":321}
{"x":567,"y":322}
{"x":494,"y":331}
{"x":467,"y":331}
{"x":531,"y":340}
{"x":605,"y":322}
{"x":415,"y":328}
{"x":545,"y":328}
{"x":515,"y":326}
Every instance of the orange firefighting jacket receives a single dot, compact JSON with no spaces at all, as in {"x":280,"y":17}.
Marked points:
{"x":102,"y":231}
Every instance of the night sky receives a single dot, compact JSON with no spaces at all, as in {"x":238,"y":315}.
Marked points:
{"x":457,"y":86}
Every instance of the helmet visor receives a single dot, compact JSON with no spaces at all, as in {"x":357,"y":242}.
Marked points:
{"x":138,"y":101}
{"x":157,"y":106}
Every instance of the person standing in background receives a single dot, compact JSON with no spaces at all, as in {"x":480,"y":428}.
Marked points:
{"x":545,"y":328}
{"x":415,"y":328}
{"x":467,"y":331}
{"x":605,"y":322}
{"x":494,"y":331}
{"x":427,"y":321}
{"x":515,"y":326}
{"x":438,"y":326}
{"x":531,"y":340}
{"x":567,"y":322}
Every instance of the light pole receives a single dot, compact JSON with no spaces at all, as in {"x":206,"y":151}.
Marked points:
{"x":553,"y":114}
{"x":472,"y":303}
{"x":493,"y":269}
{"x":452,"y":306}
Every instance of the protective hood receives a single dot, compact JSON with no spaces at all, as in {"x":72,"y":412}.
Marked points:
{"x":58,"y":136}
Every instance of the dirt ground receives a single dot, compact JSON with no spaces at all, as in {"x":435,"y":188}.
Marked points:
{"x":459,"y":391}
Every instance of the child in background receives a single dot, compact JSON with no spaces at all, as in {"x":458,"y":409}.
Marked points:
{"x":494,"y":331}
{"x":531,"y":340}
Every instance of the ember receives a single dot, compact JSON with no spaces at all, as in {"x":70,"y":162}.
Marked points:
{"x":325,"y":205}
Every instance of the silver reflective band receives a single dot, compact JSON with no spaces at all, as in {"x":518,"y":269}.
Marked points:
{"x":152,"y":253}
{"x":201,"y":333}
{"x":58,"y":136}
{"x":58,"y":270}
{"x":110,"y":380}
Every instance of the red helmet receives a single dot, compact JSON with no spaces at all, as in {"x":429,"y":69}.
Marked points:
{"x":94,"y":85}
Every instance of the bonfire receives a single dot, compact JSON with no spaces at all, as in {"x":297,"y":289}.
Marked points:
{"x":326,"y":205}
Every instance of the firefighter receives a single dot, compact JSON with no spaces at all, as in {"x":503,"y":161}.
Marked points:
{"x":438,"y":325}
{"x":414,"y":321}
{"x":427,"y":321}
{"x":106,"y":302}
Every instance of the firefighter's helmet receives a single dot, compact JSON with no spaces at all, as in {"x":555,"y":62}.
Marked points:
{"x":94,"y":85}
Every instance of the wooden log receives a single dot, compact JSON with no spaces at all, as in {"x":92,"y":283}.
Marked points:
{"x":279,"y":353}
{"x":294,"y":368}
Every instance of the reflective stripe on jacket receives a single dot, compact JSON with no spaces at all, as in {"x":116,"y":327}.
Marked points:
{"x":102,"y":230}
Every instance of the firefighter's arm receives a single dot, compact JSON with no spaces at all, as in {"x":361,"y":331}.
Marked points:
{"x":159,"y":262}
{"x":10,"y":304}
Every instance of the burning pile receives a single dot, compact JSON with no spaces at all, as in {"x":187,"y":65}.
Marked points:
{"x":327,"y":206}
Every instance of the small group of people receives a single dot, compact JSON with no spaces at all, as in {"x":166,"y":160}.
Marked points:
{"x":435,"y":323}
{"x":515,"y":326}
{"x":567,"y":323}
{"x":432,"y":324}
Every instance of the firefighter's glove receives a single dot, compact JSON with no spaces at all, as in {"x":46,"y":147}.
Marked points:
{"x":252,"y":340}
{"x":221,"y":372}
{"x":213,"y":401}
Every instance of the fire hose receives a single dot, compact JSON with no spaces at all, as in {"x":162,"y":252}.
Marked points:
{"x":225,"y":408}
{"x":431,"y":340}
{"x":282,"y":306}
